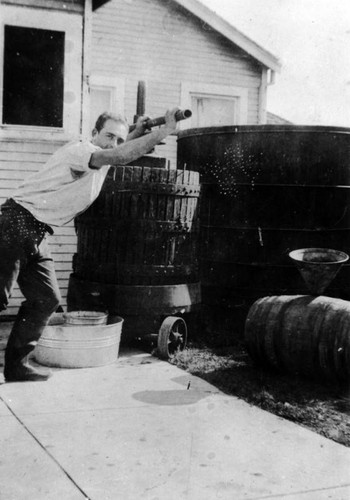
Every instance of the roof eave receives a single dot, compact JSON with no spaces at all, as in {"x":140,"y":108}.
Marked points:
{"x":231,"y":33}
{"x":98,"y":3}
{"x":226,"y":29}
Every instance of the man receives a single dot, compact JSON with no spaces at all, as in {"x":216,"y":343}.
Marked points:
{"x":67,"y":185}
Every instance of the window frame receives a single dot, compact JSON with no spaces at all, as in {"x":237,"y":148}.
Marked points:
{"x":116,"y":86}
{"x":194,"y":89}
{"x":71,"y":25}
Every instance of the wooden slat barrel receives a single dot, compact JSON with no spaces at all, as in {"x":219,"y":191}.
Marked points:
{"x":137,"y":254}
{"x":267,"y":190}
{"x":142,"y":229}
{"x":301,"y":334}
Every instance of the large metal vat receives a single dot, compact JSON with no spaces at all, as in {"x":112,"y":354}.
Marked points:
{"x":267,"y":190}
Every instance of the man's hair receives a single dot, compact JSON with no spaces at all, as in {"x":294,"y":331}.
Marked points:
{"x":101,"y":120}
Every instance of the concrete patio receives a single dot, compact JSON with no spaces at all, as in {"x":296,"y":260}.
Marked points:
{"x":144,"y":429}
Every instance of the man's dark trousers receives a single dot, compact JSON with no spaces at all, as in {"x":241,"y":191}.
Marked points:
{"x":33,"y":268}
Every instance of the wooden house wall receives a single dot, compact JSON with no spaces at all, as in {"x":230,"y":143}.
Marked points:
{"x":19,"y":160}
{"x":155,"y":41}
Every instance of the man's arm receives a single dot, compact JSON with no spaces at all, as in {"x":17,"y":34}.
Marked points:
{"x":140,"y":128}
{"x":132,"y":149}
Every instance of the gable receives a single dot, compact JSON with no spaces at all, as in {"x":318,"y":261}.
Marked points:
{"x":231,"y":33}
{"x":227,"y":30}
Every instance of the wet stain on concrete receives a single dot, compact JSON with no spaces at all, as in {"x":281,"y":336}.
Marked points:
{"x":169,"y":398}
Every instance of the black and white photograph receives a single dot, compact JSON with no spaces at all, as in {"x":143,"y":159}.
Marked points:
{"x":174,"y":249}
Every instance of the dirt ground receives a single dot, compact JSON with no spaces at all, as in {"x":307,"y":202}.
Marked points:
{"x":324,"y":409}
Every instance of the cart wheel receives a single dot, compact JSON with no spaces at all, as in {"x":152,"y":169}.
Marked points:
{"x":172,"y":337}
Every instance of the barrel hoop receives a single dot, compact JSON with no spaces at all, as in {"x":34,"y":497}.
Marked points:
{"x":261,"y":265}
{"x":274,"y":185}
{"x":137,"y":270}
{"x":135,"y":299}
{"x":326,"y":338}
{"x":120,"y":173}
{"x":139,"y":299}
{"x":340,"y":350}
{"x":152,"y":270}
{"x":188,"y":190}
{"x":279,"y":229}
{"x":178,"y":226}
{"x":272,"y":332}
{"x":263,"y":129}
{"x":255,"y":331}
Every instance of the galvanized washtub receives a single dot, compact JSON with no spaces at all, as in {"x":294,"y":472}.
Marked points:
{"x":79,"y":344}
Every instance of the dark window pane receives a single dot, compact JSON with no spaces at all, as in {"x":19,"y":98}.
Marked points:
{"x":33,"y":77}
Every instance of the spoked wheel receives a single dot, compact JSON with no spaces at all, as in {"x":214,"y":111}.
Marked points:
{"x":172,"y":337}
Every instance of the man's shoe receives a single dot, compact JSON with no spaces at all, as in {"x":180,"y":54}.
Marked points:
{"x":25,"y":372}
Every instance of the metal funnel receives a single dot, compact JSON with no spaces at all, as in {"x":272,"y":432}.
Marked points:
{"x":318,"y":266}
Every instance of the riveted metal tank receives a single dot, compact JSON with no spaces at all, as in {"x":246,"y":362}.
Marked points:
{"x":267,"y":190}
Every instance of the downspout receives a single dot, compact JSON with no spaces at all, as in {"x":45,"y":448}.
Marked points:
{"x":267,"y":78}
{"x":262,"y":97}
{"x":86,"y":68}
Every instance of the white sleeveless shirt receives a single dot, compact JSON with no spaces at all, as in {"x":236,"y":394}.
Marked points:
{"x":65,"y":187}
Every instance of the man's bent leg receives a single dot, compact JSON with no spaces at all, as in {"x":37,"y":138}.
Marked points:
{"x":9,"y":270}
{"x":38,"y":283}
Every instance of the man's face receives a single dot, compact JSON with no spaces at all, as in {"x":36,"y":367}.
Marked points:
{"x":111,"y":135}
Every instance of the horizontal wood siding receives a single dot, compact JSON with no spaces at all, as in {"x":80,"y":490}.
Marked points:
{"x":18,"y":160}
{"x":164,"y":45}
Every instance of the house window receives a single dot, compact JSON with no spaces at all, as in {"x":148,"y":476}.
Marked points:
{"x":33,"y":77}
{"x":214,"y":105}
{"x":210,"y":110}
{"x":40,"y":73}
{"x":106,"y":94}
{"x":100,"y":102}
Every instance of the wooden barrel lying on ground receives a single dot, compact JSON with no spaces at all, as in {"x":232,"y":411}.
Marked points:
{"x":301,"y":334}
